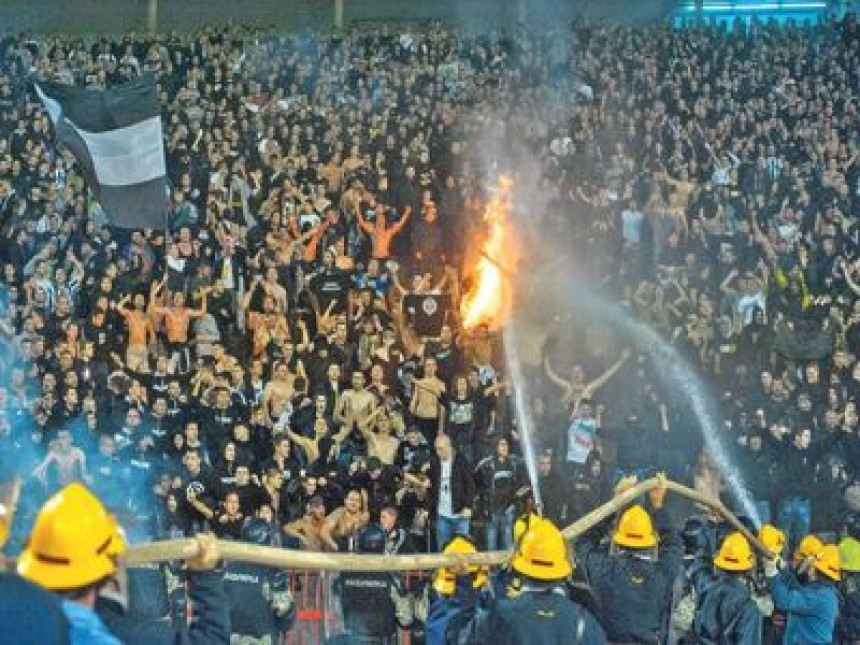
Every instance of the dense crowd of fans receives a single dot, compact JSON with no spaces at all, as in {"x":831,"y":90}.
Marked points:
{"x":291,"y":349}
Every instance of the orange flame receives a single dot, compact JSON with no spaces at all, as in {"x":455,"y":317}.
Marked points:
{"x":489,"y":299}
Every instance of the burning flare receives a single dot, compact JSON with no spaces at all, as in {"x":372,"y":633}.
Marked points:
{"x":488,"y":301}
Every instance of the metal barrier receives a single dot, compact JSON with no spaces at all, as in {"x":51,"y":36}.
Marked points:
{"x":316,"y":614}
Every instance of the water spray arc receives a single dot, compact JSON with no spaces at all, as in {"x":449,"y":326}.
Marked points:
{"x":524,"y":420}
{"x":675,"y":371}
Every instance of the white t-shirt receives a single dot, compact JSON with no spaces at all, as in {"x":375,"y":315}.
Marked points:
{"x":580,"y":440}
{"x":445,"y":501}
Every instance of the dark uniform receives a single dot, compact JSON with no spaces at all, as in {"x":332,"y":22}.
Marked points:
{"x":259,"y":601}
{"x":367,"y":600}
{"x":634,"y":593}
{"x":147,"y":592}
{"x":369,"y":615}
{"x":537,"y":616}
{"x":210,"y":627}
{"x":725,"y":610}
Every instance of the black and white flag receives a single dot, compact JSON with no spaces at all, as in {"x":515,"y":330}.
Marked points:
{"x":115,"y":136}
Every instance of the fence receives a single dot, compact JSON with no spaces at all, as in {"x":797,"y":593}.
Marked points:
{"x":316,"y":617}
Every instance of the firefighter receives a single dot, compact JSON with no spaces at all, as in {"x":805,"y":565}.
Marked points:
{"x":812,"y":605}
{"x":809,"y":547}
{"x":261,"y":607}
{"x":634,"y":578}
{"x":541,"y":612}
{"x":772,"y":538}
{"x":454,"y":595}
{"x":725,"y":609}
{"x":849,"y":554}
{"x":372,"y":603}
{"x":73,"y":551}
{"x":29,"y":615}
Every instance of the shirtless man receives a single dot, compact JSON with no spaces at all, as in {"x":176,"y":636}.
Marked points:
{"x":312,"y":446}
{"x":308,"y":529}
{"x":425,"y":405}
{"x":139,"y":329}
{"x":177,"y":319}
{"x":377,"y":430}
{"x":278,"y":392}
{"x":344,"y":522}
{"x":357,"y":403}
{"x":70,"y":461}
{"x":577,"y":388}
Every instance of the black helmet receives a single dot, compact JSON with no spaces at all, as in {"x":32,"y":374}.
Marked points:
{"x":852,"y":526}
{"x":371,"y":539}
{"x":694,"y":535}
{"x":258,"y":531}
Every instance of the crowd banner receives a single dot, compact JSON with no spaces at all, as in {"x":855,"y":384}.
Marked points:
{"x":115,"y":135}
{"x":163,"y":551}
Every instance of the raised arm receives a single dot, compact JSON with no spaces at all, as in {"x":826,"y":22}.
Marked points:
{"x":365,"y":426}
{"x":305,"y":443}
{"x":599,"y":382}
{"x":846,"y":271}
{"x":555,"y":378}
{"x":366,"y":226}
{"x":399,"y":224}
{"x":199,"y":313}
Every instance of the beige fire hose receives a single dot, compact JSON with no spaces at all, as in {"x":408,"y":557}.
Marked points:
{"x":164,"y":551}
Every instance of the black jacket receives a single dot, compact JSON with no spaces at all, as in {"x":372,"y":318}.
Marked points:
{"x":634,"y":594}
{"x":462,"y":483}
{"x":211,"y":624}
{"x":499,"y":482}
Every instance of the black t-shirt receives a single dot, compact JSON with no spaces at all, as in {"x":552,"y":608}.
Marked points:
{"x":207,"y":490}
{"x":331,"y":286}
{"x":460,"y":420}
{"x":426,"y":312}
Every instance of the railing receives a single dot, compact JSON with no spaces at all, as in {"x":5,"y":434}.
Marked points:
{"x":312,"y":573}
{"x":316,"y":618}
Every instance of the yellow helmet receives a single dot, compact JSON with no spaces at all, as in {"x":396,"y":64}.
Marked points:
{"x":445,"y":580}
{"x":735,"y":554}
{"x":827,"y":562}
{"x":809,"y":546}
{"x":74,"y":542}
{"x":772,"y":538}
{"x":635,"y":529}
{"x":542,"y":552}
{"x":523,"y":523}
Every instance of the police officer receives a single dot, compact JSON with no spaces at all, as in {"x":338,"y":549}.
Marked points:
{"x":634,"y":579}
{"x":261,"y":607}
{"x":453,"y":597}
{"x":372,"y":604}
{"x":73,"y":551}
{"x":541,"y":613}
{"x":725,"y":609}
{"x":849,"y":554}
{"x":812,"y":606}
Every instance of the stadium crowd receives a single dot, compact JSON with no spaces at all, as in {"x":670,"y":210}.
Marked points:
{"x":289,"y":353}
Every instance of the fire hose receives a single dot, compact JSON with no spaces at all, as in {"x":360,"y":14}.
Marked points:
{"x":167,"y":550}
